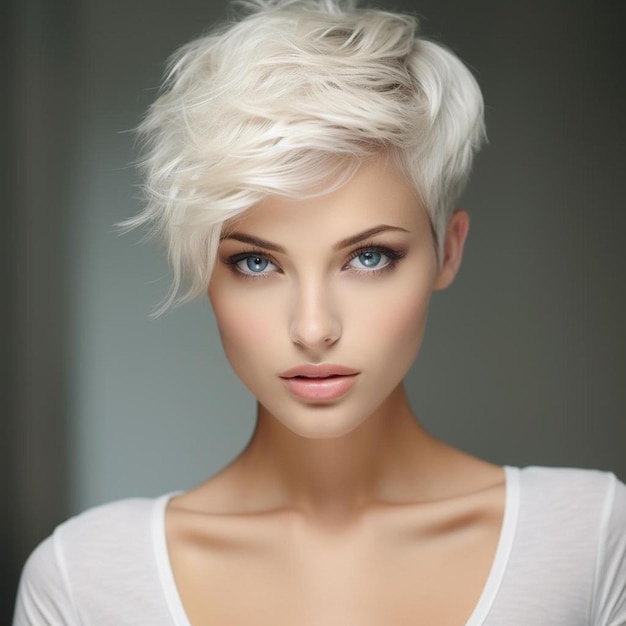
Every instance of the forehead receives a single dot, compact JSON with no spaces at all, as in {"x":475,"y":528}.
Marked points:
{"x":377,"y":194}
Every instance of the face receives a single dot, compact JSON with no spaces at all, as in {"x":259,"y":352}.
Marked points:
{"x":321,"y":303}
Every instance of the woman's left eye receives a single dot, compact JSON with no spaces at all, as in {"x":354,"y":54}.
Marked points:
{"x":369,"y":260}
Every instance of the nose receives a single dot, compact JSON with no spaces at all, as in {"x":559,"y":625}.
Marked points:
{"x":314,"y":323}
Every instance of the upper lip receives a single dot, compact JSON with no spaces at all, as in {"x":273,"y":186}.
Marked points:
{"x":318,"y":371}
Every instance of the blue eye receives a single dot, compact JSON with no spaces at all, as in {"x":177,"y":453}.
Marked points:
{"x":369,"y":259}
{"x":256,"y":263}
{"x":253,"y":264}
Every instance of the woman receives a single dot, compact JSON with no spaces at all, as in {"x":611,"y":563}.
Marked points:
{"x":303,"y":164}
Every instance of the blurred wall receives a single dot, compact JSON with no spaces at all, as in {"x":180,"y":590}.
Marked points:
{"x":38,"y":101}
{"x":523,"y":360}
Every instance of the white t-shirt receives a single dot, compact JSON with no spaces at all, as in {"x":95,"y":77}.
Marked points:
{"x":560,"y":560}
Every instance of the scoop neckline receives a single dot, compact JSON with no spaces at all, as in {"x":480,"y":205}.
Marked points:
{"x":481,"y":609}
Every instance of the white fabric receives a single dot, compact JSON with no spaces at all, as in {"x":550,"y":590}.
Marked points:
{"x":560,"y":561}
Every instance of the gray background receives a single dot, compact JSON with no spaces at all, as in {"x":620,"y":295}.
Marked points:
{"x":523,"y":362}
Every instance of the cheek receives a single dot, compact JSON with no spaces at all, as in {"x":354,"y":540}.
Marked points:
{"x":238,"y":325}
{"x":403,"y":325}
{"x":394,"y":326}
{"x":395,"y":312}
{"x":408,"y":314}
{"x":245,"y":321}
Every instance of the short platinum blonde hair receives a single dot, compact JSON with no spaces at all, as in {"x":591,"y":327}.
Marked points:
{"x":288,"y":98}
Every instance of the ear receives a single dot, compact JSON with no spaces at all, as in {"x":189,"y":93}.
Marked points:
{"x":454,"y":243}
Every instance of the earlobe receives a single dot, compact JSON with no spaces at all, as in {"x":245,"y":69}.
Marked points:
{"x":456,"y":234}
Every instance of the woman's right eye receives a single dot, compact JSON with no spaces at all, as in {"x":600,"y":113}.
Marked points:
{"x":253,"y":264}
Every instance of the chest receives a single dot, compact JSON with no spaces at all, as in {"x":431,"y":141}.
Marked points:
{"x":400,"y":579}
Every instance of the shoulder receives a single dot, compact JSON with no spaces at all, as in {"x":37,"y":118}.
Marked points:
{"x":106,"y":551}
{"x":565,"y":548}
{"x":565,"y":476}
{"x":575,"y":520}
{"x":570,"y":503}
{"x":107,"y":524}
{"x":113,"y":537}
{"x":568,"y":489}
{"x":564,"y":513}
{"x":43,"y":596}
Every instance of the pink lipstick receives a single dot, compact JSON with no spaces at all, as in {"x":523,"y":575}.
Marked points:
{"x":319,"y":382}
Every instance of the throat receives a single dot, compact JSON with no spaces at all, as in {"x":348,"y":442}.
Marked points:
{"x":335,"y":477}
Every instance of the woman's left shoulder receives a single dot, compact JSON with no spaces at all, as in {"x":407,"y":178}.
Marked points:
{"x":589,"y":487}
{"x":575,"y":521}
{"x":561,"y":506}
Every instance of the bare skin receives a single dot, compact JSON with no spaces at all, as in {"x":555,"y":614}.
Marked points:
{"x":342,"y":511}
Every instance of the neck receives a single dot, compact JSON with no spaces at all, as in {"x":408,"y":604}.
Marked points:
{"x":337,"y":479}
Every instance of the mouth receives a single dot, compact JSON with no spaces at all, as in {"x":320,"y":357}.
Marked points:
{"x":324,"y":370}
{"x":319,"y":382}
{"x":319,"y":377}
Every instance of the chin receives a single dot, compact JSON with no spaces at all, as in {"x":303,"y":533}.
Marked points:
{"x":319,"y":421}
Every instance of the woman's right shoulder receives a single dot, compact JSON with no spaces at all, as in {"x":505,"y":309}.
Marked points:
{"x":100,"y":550}
{"x":100,"y":532}
{"x":103,"y":523}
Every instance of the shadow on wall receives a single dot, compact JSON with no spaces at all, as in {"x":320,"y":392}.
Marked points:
{"x":37,"y":125}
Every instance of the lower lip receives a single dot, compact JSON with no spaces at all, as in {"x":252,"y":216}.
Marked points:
{"x":320,"y":388}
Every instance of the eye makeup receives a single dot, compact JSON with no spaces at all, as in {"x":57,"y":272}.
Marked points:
{"x":393,"y":258}
{"x":234,"y":260}
{"x":392,"y":255}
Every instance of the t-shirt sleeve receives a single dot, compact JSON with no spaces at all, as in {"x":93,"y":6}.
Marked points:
{"x":43,"y":598}
{"x":610,"y":583}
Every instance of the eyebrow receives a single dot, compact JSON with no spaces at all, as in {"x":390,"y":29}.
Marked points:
{"x":254,"y":241}
{"x":370,"y":232}
{"x":344,"y":243}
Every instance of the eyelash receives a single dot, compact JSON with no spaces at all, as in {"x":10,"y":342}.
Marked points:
{"x":233,"y":260}
{"x":394,"y":257}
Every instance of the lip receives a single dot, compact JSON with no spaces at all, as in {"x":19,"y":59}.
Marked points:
{"x":319,"y":382}
{"x":323,"y":370}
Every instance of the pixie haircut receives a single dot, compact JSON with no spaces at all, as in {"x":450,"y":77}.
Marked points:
{"x":289,"y":97}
